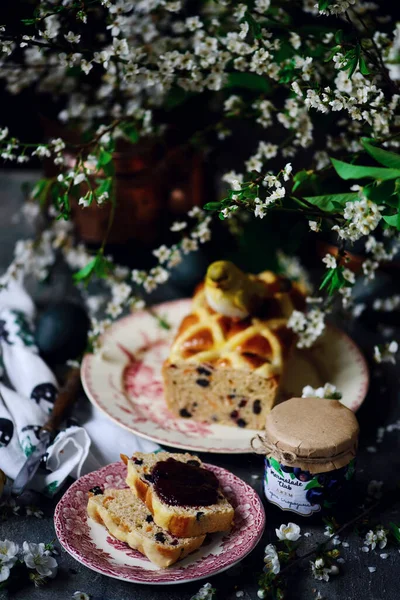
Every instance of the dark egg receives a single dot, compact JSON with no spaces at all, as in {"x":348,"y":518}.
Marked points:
{"x":61,"y":332}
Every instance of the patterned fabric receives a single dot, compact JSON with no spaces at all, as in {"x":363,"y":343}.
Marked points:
{"x":26,"y":405}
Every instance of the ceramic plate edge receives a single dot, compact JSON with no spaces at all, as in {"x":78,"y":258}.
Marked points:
{"x":193,"y":447}
{"x":65,"y":544}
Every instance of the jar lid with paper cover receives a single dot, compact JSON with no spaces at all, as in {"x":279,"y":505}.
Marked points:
{"x":310,"y":446}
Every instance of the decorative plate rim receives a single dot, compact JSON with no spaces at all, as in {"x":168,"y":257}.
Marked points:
{"x":253,"y":535}
{"x":192,"y":445}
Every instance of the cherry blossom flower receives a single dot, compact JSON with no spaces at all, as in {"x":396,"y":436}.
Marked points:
{"x":386,"y":352}
{"x":328,"y":391}
{"x":375,"y":538}
{"x":330,"y":261}
{"x":4,"y":572}
{"x":8,"y":553}
{"x":34,"y":511}
{"x":72,"y":37}
{"x":290,"y":532}
{"x":321,"y":571}
{"x":308,"y":326}
{"x":37,"y":557}
{"x":178,"y":226}
{"x":206,"y":592}
{"x":271,"y":560}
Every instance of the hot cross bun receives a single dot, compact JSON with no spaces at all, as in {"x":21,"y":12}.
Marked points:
{"x":225,"y":370}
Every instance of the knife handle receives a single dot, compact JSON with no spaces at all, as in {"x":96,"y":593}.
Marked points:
{"x":65,"y":399}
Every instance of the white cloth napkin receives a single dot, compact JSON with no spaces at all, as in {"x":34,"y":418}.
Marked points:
{"x":25,"y":406}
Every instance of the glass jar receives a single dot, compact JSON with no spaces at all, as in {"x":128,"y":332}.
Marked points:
{"x":302,"y":492}
{"x":310,"y":446}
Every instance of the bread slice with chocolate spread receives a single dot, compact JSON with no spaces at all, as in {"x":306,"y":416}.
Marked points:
{"x":128,"y":519}
{"x":181,"y":520}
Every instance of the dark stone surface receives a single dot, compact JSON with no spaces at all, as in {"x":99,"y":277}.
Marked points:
{"x":355,"y":582}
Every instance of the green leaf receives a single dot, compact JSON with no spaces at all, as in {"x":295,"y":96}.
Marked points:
{"x":349,"y":171}
{"x":249,"y":81}
{"x":105,"y":186}
{"x":287,"y":72}
{"x":351,"y":60}
{"x":89,"y":197}
{"x":249,"y":192}
{"x":333,"y":280}
{"x":111,"y":145}
{"x":63,"y":206}
{"x":300,"y":177}
{"x":337,"y":282}
{"x":381,"y":192}
{"x":176,"y":96}
{"x":312,"y":484}
{"x":99,"y":266}
{"x":285,"y":50}
{"x":254,"y":26}
{"x":389,"y":201}
{"x":163,"y":323}
{"x":332,"y":53}
{"x":323,"y":4}
{"x":351,"y":66}
{"x":39,"y":186}
{"x":328,"y":202}
{"x":28,"y":21}
{"x":395,"y":530}
{"x":109,"y":169}
{"x":398,"y":216}
{"x":102,"y":266}
{"x":212,"y":206}
{"x":363,"y":66}
{"x":327,"y":279}
{"x":339,"y":36}
{"x":41,"y":190}
{"x":86,"y":271}
{"x":131,"y":132}
{"x":392,"y":220}
{"x":384,"y":157}
{"x":104,"y":157}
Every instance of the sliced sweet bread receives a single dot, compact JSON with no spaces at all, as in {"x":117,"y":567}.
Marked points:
{"x":207,"y":511}
{"x":128,"y":519}
{"x":227,"y":370}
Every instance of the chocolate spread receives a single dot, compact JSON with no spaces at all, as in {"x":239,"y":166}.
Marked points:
{"x":180,"y":484}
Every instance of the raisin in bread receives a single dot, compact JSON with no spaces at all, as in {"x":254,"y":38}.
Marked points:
{"x":228,"y":371}
{"x":127,"y":519}
{"x":182,"y":521}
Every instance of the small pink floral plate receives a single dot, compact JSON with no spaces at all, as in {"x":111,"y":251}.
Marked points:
{"x":124,"y":380}
{"x":90,"y":543}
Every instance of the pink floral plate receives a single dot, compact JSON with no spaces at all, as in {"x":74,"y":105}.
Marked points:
{"x":124,"y":380}
{"x":91,"y":544}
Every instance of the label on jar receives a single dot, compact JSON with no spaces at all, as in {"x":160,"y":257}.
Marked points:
{"x":292,"y":489}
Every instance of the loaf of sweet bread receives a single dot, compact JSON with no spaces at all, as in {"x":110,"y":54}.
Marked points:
{"x":128,"y":519}
{"x":227,"y":370}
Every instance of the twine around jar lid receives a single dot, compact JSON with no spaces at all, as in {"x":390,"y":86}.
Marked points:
{"x":314,"y":434}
